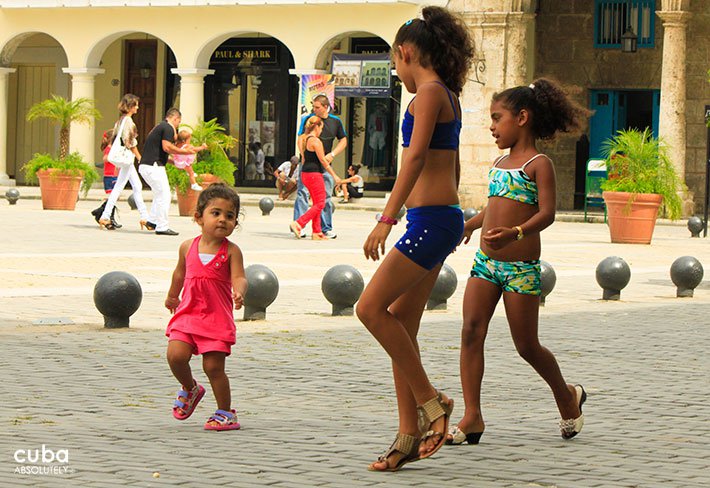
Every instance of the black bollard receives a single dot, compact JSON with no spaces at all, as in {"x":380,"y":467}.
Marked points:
{"x":263,"y":287}
{"x":548,"y":279}
{"x":132,"y":202}
{"x":613,"y":274}
{"x":342,"y":286}
{"x":117,"y":295}
{"x":686,"y":274}
{"x":469,"y":213}
{"x":12,"y":195}
{"x":695,"y":226}
{"x":444,"y":287}
{"x":266,"y":205}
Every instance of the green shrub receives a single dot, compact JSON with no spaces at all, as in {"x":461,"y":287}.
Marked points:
{"x":637,"y":162}
{"x":214,"y":160}
{"x":73,"y":164}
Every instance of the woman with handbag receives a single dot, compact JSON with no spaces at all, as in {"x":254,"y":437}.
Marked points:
{"x":124,"y":150}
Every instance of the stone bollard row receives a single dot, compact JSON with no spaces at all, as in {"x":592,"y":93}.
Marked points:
{"x":117,"y":295}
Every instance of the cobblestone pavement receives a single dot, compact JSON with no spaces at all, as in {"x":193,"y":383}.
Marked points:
{"x":314,"y":392}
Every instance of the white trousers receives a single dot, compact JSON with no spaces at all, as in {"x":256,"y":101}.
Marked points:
{"x":157,"y":178}
{"x":127,"y":174}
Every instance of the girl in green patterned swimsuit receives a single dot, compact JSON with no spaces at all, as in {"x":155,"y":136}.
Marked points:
{"x":521,"y":203}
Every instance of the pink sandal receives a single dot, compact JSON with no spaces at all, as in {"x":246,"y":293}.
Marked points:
{"x":183,"y":410}
{"x":226,"y":420}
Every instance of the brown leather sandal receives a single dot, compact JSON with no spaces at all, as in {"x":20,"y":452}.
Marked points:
{"x":428,"y":413}
{"x":404,"y":444}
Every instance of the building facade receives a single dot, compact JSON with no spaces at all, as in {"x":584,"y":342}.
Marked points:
{"x":241,"y":62}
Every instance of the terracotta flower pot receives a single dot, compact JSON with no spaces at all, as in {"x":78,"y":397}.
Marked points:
{"x":631,"y":216}
{"x":60,"y":190}
{"x":187,"y":201}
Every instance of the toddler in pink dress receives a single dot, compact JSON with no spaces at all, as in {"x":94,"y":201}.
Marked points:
{"x":184,"y":161}
{"x":210,"y":273}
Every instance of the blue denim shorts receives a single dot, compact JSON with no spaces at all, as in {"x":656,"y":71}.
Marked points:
{"x":433,"y":232}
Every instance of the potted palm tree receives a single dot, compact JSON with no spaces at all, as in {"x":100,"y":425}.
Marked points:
{"x":60,"y":178}
{"x":211,"y":165}
{"x":641,"y":180}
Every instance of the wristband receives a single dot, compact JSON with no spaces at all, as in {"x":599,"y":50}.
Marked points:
{"x":387,"y":220}
{"x":331,"y":154}
{"x":520,"y":232}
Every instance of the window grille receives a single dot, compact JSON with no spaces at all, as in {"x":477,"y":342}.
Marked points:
{"x":612,"y":17}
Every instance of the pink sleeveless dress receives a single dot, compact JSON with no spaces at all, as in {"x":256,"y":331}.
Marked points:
{"x":206,"y":305}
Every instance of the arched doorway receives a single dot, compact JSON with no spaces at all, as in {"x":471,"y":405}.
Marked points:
{"x":253,"y":96}
{"x":135,"y":63}
{"x":38,"y":60}
{"x":372,"y":122}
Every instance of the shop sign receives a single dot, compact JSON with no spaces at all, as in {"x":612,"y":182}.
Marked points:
{"x":250,"y":54}
{"x":362,"y":75}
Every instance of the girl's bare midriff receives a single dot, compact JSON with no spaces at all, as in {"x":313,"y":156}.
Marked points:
{"x":431,"y":188}
{"x":504,"y":212}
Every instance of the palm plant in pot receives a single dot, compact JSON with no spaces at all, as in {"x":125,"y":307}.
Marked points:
{"x":642,"y":180}
{"x":212,"y":164}
{"x":60,"y":177}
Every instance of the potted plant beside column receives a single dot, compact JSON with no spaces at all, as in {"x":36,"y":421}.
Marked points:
{"x":211,"y":165}
{"x":641,"y":179}
{"x":60,"y":178}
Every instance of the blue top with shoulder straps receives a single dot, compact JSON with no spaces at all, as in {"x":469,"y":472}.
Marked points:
{"x":445,"y":135}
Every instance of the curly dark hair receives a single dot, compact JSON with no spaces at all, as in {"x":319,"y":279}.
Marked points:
{"x":443,"y":43}
{"x":217,"y":190}
{"x":550,"y":107}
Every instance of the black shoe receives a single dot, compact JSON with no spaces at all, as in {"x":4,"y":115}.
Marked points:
{"x":167,"y":232}
{"x":115,"y":223}
{"x":149,"y":225}
{"x":98,"y":211}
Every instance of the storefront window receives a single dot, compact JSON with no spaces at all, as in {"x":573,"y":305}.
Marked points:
{"x":374,"y":121}
{"x":253,"y":96}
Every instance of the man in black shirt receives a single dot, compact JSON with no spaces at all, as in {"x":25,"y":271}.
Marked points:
{"x":158,"y":145}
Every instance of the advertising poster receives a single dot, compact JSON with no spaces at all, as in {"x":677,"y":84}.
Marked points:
{"x":362,"y":75}
{"x":313,"y":85}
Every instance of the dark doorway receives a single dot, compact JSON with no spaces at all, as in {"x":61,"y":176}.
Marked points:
{"x":139,"y":79}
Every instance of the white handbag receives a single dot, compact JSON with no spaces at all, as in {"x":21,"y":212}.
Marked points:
{"x":119,"y":155}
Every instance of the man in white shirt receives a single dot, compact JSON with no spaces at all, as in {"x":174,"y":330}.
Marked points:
{"x":287,"y":177}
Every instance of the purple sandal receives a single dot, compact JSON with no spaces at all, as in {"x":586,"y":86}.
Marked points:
{"x":182,"y":410}
{"x":226,"y":420}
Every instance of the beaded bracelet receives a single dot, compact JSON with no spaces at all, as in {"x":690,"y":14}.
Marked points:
{"x":387,"y":220}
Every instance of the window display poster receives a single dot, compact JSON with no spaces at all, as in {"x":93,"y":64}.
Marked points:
{"x":254,"y":131}
{"x":313,"y":85}
{"x":268,"y":130}
{"x":362,"y":75}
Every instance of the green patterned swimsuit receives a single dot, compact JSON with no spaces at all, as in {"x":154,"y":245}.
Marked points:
{"x":521,"y":277}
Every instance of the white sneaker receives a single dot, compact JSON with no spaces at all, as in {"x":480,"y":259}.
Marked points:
{"x":196,"y":187}
{"x":303,"y":234}
{"x":330,"y":234}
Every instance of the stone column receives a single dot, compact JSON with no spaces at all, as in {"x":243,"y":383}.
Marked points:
{"x":82,"y":137}
{"x":672,"y":110}
{"x":192,"y":93}
{"x":4,"y":75}
{"x":503,"y":32}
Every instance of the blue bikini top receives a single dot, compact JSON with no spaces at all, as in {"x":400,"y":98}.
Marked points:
{"x":514,"y":184}
{"x":446,"y":134}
